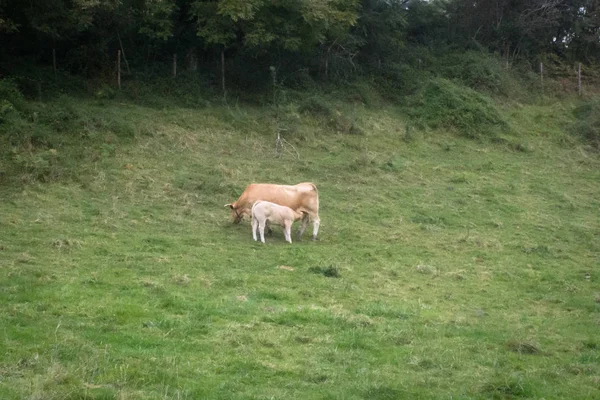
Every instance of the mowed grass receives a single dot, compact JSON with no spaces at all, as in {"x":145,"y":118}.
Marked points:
{"x":445,"y":267}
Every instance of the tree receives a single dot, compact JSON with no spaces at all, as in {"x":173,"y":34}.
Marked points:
{"x":577,"y":35}
{"x":276,"y":28}
{"x":381,"y":29}
{"x":528,"y":27}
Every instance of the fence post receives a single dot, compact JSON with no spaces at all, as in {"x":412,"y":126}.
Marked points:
{"x":223,"y":73}
{"x":579,"y":79}
{"x":119,"y":69}
{"x":54,"y":61}
{"x":542,"y":76}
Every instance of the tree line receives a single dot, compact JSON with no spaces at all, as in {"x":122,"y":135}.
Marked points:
{"x":251,"y":39}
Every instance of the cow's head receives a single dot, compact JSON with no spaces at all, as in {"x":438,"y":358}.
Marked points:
{"x":235,"y":215}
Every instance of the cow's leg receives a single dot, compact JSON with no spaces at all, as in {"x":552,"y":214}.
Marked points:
{"x":305,"y":218}
{"x":261,"y":228}
{"x":269,"y":230}
{"x":316,"y":223}
{"x":254,"y":227}
{"x":287,"y":227}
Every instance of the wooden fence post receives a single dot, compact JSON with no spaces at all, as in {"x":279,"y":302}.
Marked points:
{"x":123,"y":51}
{"x":119,"y":69}
{"x":542,"y":76}
{"x":223,"y":73}
{"x":54,"y":61}
{"x":579,"y":79}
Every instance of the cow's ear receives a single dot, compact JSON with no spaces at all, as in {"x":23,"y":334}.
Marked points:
{"x":229,"y":205}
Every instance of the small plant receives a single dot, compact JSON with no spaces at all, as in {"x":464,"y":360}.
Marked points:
{"x":105,"y":92}
{"x":522,"y":347}
{"x":11,"y":97}
{"x":426,"y":269}
{"x":409,"y":133}
{"x":41,"y":165}
{"x":393,"y":164}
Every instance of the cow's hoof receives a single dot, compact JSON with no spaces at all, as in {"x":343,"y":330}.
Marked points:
{"x":314,"y":238}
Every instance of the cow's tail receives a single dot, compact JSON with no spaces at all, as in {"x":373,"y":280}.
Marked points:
{"x":317,"y":197}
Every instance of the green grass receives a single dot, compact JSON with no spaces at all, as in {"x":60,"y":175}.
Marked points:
{"x":445,"y":267}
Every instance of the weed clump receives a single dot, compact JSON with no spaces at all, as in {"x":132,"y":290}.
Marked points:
{"x":522,"y":347}
{"x":330,"y":271}
{"x":426,"y":269}
{"x":507,"y":387}
{"x":337,"y":120}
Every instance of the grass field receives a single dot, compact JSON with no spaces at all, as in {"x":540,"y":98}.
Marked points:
{"x":445,"y":268}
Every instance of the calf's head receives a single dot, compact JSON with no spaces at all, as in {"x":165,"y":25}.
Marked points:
{"x":300,"y":215}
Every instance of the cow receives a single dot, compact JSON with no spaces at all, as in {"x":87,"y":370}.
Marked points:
{"x":264,"y":212}
{"x":302,"y":197}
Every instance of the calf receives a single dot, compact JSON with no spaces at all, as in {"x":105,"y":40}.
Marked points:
{"x":302,"y":197}
{"x":264,"y":212}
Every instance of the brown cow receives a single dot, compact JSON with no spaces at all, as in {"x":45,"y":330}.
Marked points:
{"x":302,"y":197}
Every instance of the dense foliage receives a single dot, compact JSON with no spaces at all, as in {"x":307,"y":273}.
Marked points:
{"x":327,"y":38}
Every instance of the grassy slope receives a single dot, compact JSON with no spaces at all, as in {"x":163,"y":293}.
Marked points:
{"x":462,"y":266}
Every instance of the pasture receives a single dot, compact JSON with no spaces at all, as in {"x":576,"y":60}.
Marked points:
{"x":446,"y":268}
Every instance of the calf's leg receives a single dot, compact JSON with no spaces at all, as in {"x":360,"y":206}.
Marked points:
{"x":261,"y":228}
{"x":287,"y":227}
{"x":254,"y":227}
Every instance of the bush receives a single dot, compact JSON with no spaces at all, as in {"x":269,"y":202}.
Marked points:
{"x":481,"y":71}
{"x":11,"y":98}
{"x":363,"y":92}
{"x":299,"y":80}
{"x":396,"y":81}
{"x":316,"y":106}
{"x":587,"y":122}
{"x":445,"y":104}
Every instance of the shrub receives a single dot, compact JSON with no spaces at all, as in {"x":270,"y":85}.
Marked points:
{"x":481,"y":71}
{"x":587,"y":122}
{"x":445,"y":104}
{"x":395,"y":81}
{"x":42,"y":166}
{"x":315,"y":105}
{"x":365,"y":93}
{"x":11,"y":98}
{"x":299,"y":80}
